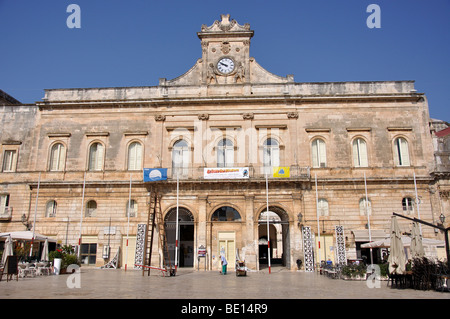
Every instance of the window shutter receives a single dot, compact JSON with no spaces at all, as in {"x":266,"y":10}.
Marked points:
{"x":220,"y":156}
{"x":92,"y":156}
{"x":229,"y":156}
{"x":62,"y":157}
{"x":404,"y":152}
{"x":356,"y":162}
{"x":54,"y":158}
{"x":322,"y":153}
{"x":363,"y":153}
{"x":132,"y":156}
{"x":138,"y":156}
{"x":185,"y":160}
{"x":3,"y":204}
{"x":315,"y":154}
{"x":100,"y":156}
{"x":275,"y":158}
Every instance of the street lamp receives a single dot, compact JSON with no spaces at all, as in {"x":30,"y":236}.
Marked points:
{"x":442,"y":218}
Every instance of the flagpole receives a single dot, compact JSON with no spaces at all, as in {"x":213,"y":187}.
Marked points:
{"x":318,"y":224}
{"x":81,"y":216}
{"x":35,"y":211}
{"x":128,"y":226}
{"x":368,"y":218}
{"x":417,"y":201}
{"x":268,"y":234}
{"x":176,"y":230}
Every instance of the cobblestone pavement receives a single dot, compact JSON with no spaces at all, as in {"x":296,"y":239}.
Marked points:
{"x":97,"y":283}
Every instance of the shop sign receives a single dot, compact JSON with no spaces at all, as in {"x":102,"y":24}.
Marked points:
{"x":201,"y":252}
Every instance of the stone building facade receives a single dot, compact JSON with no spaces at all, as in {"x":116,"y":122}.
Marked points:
{"x":83,"y":148}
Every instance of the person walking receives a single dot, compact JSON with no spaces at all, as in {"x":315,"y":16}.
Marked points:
{"x":224,"y":264}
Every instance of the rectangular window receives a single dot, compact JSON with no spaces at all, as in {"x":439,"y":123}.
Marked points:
{"x":319,"y":157}
{"x":88,"y":254}
{"x":360,"y":153}
{"x":4,"y":205}
{"x":9,"y":161}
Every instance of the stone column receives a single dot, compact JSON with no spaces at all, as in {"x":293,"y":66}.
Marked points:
{"x":249,"y":251}
{"x":295,"y":230}
{"x":201,"y":232}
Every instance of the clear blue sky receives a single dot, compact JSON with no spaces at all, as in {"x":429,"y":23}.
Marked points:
{"x":136,"y":42}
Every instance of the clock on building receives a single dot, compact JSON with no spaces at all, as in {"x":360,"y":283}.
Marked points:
{"x":225,"y":65}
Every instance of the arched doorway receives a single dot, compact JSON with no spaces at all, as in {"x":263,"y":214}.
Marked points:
{"x":226,"y":220}
{"x":279,"y":238}
{"x":185,"y":235}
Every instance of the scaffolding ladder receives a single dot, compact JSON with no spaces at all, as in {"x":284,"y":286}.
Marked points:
{"x":155,"y":222}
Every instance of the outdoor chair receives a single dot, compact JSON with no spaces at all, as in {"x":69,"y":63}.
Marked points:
{"x":23,"y":271}
{"x":31,"y":269}
{"x":42,"y":269}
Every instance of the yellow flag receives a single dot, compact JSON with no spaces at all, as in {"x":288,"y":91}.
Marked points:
{"x":282,"y":172}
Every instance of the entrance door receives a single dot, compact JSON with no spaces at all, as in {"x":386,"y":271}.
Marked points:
{"x":278,"y":235}
{"x":185,"y":235}
{"x":227,"y":247}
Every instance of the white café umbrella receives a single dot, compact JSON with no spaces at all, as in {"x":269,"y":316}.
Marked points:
{"x":416,"y":247}
{"x":8,"y":251}
{"x":44,"y":255}
{"x":406,"y":240}
{"x":397,"y":257}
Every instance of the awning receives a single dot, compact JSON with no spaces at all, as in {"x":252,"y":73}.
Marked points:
{"x":362,"y":235}
{"x":27,"y":236}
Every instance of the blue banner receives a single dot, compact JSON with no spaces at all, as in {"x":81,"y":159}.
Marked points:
{"x":155,"y":174}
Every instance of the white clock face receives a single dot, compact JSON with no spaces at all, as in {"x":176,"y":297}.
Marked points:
{"x":225,"y":65}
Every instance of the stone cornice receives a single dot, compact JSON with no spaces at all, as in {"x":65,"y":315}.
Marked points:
{"x":290,"y":99}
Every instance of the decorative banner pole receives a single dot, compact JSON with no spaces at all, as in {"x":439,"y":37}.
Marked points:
{"x":417,"y":201}
{"x":318,"y":224}
{"x":35,"y":211}
{"x":176,"y":231}
{"x":128,"y":226}
{"x":268,"y":234}
{"x":368,"y":218}
{"x":81,"y":217}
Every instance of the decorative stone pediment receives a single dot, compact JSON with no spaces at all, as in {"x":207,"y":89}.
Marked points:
{"x":225,"y":25}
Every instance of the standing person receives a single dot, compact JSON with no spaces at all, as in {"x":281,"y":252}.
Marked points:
{"x":224,"y":264}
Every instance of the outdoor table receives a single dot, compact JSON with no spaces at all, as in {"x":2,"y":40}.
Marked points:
{"x":401,"y":280}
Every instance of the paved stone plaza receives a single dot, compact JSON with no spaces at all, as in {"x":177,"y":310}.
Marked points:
{"x":189,"y":284}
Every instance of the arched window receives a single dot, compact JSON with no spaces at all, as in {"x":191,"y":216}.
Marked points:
{"x":322,"y":204}
{"x":50,"y":209}
{"x":360,"y":153}
{"x":91,"y":209}
{"x":271,"y":155}
{"x":225,"y":153}
{"x":319,"y":154}
{"x":180,"y":158}
{"x":401,"y":152}
{"x":132,"y":208}
{"x":96,"y":156}
{"x":135,"y":156}
{"x":365,"y":205}
{"x":226,"y":213}
{"x":408,"y":205}
{"x":57,"y":157}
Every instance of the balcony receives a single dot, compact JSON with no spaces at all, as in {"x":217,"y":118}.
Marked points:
{"x":252,"y":173}
{"x":6,"y":213}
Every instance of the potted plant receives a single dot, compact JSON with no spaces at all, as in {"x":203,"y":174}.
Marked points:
{"x":64,"y":257}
